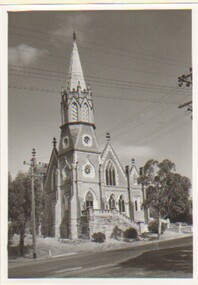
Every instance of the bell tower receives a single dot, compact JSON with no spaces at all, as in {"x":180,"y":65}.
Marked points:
{"x":77,"y":103}
{"x":78,"y":155}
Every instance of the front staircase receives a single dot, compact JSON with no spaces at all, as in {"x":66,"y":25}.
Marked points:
{"x":105,"y":220}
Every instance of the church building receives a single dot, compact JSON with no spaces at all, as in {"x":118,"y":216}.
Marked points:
{"x":87,"y":190}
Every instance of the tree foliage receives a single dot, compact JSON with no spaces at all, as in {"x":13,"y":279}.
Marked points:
{"x":167,"y":192}
{"x":19,"y":205}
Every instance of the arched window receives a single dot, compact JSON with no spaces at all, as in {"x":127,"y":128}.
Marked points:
{"x":54,"y":179}
{"x":89,"y":200}
{"x":135,"y":182}
{"x":53,"y":212}
{"x":85,"y":116}
{"x":137,"y":203}
{"x":112,"y":203}
{"x":121,"y":204}
{"x":110,"y":174}
{"x":136,"y":206}
{"x":74,"y":112}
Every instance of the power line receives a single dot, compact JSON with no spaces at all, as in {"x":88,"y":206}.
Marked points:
{"x":102,"y":64}
{"x":114,"y":83}
{"x":145,"y":110}
{"x":106,"y":52}
{"x":97,"y":44}
{"x":170,"y":124}
{"x":172,"y":130}
{"x":105,"y":97}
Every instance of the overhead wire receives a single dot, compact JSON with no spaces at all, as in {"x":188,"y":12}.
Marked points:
{"x":167,"y":133}
{"x":97,"y":44}
{"x":105,"y":97}
{"x":132,"y":85}
{"x":158,"y":128}
{"x":144,"y":110}
{"x":102,"y":83}
{"x":107,"y":52}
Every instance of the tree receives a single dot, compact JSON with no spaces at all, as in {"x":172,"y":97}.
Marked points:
{"x":19,"y":205}
{"x":167,"y":193}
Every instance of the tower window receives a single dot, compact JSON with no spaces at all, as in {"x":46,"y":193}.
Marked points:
{"x":110,"y":174}
{"x":112,"y":203}
{"x":121,"y":204}
{"x":74,"y":112}
{"x":89,"y":200}
{"x":85,"y":113}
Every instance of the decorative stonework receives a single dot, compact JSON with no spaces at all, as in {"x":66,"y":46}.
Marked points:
{"x":65,"y":141}
{"x":66,"y":170}
{"x":88,"y":170}
{"x":87,"y":140}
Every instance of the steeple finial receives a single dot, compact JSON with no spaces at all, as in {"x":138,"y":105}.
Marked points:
{"x":54,"y":142}
{"x":108,"y":137}
{"x":74,"y":35}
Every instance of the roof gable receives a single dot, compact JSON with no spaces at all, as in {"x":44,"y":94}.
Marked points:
{"x":109,"y":154}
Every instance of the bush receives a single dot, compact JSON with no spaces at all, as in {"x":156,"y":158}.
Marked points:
{"x":153,"y":227}
{"x":130,"y":233}
{"x":116,"y":232}
{"x":185,"y":218}
{"x":98,"y":237}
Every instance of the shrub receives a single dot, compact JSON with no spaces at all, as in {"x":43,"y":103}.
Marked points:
{"x":153,"y":227}
{"x":98,"y":237}
{"x":130,"y":233}
{"x":116,"y":232}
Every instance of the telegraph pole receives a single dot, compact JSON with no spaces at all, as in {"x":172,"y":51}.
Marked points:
{"x":32,"y":169}
{"x":187,"y":80}
{"x":141,"y":172}
{"x":131,"y":211}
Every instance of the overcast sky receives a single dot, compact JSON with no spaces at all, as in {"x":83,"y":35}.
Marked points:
{"x":130,"y":58}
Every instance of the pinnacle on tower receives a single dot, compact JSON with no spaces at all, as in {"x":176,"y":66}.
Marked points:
{"x":74,"y":35}
{"x":75,"y":75}
{"x":108,"y":136}
{"x":54,"y":142}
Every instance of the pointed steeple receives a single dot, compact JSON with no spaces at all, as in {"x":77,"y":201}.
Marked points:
{"x":75,"y":77}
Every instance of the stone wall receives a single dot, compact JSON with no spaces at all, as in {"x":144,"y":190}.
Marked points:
{"x":106,"y":221}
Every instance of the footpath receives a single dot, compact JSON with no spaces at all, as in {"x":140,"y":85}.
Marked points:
{"x":51,"y":248}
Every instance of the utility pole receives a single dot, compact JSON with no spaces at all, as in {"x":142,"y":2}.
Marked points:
{"x":33,"y":175}
{"x":187,"y":80}
{"x":141,"y":172}
{"x":131,"y":213}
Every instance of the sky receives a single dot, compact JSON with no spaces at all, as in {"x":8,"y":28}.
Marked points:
{"x":131,"y":59}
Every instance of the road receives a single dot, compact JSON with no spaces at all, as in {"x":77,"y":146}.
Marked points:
{"x":154,"y":260}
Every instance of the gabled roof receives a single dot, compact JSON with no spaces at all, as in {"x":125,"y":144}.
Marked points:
{"x":134,"y":169}
{"x":108,"y":148}
{"x":54,"y":156}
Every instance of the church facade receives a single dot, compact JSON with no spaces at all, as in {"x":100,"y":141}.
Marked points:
{"x":84,"y":184}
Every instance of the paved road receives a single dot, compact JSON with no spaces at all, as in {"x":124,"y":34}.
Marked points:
{"x":164,"y":259}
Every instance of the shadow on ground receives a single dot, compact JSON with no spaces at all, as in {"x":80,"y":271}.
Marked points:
{"x":173,"y":259}
{"x":14,"y":251}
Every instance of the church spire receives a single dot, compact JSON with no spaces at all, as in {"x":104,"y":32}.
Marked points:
{"x":75,"y":77}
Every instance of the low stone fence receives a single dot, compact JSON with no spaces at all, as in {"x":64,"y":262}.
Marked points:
{"x":180,"y":228}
